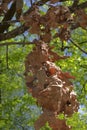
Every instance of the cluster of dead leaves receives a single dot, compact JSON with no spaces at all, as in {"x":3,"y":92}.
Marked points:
{"x":43,"y":24}
{"x":48,"y":84}
{"x":81,"y":18}
{"x":52,"y":119}
{"x":57,"y":17}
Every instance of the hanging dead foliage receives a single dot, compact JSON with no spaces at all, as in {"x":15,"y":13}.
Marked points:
{"x":50,"y":86}
{"x":42,"y":25}
{"x":56,"y":17}
{"x":81,"y":18}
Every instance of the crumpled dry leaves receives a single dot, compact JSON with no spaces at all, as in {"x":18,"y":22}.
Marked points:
{"x":54,"y":18}
{"x":81,"y":18}
{"x":51,"y":118}
{"x":49,"y":85}
{"x":57,"y":17}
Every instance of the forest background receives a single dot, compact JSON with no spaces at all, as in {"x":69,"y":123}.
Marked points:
{"x":19,"y":109}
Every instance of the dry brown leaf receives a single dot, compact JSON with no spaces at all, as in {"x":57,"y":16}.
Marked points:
{"x":46,"y":37}
{"x":67,"y":75}
{"x":55,"y":56}
{"x":64,"y":34}
{"x":41,"y":77}
{"x":82,"y":19}
{"x":54,"y":1}
{"x":35,"y":28}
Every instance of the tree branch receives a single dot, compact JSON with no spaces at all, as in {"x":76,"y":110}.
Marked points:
{"x":80,"y":6}
{"x":78,"y":46}
{"x":13,"y":33}
{"x":8,"y":16}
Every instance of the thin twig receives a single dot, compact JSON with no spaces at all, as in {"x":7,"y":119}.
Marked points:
{"x":9,"y":22}
{"x":84,"y":87}
{"x":78,"y":46}
{"x":0,"y":96}
{"x":31,"y":2}
{"x":75,"y":3}
{"x":7,"y":66}
{"x":82,"y":42}
{"x":15,"y":43}
{"x":62,"y":46}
